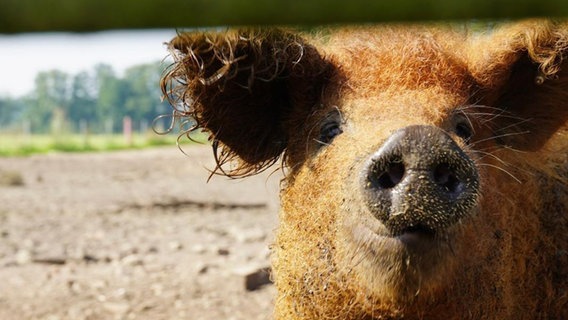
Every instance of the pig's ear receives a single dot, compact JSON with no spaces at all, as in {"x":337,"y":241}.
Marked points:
{"x":247,"y":89}
{"x":523,"y":73}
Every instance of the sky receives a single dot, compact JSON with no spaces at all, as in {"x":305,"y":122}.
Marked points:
{"x":22,"y":56}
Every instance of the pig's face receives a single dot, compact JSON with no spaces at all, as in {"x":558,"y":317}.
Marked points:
{"x":398,"y":158}
{"x":397,"y":186}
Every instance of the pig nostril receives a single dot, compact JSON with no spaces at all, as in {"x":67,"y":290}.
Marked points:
{"x":445,"y":177}
{"x":391,"y":176}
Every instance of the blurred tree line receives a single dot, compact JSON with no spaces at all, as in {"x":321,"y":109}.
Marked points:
{"x":95,"y":101}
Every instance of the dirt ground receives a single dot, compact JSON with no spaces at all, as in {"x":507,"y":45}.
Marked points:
{"x":133,"y":235}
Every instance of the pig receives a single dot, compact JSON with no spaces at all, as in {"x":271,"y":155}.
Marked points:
{"x":426,"y":166}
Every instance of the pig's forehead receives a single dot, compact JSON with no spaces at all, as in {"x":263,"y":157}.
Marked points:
{"x":379,"y":60}
{"x":431,"y":104}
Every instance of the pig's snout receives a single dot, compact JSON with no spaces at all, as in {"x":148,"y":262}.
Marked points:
{"x":420,"y":182}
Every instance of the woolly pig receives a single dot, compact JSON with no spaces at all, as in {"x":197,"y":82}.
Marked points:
{"x":426,"y":167}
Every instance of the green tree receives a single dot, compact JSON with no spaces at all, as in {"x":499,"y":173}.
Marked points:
{"x":98,"y":97}
{"x":10,"y":112}
{"x":111,"y":94}
{"x":51,"y":96}
{"x":143,"y":102}
{"x":83,"y":99}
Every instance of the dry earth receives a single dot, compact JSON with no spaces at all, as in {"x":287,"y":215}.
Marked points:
{"x":132,"y":235}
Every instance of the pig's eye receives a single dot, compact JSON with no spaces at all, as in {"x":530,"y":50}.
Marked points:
{"x":464,"y":130}
{"x":328,"y":132}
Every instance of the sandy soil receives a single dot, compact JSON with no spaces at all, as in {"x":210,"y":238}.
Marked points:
{"x":133,"y":235}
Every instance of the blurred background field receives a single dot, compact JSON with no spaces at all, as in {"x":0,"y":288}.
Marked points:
{"x":25,"y":145}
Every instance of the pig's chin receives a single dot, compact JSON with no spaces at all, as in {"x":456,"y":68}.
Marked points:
{"x":401,"y":266}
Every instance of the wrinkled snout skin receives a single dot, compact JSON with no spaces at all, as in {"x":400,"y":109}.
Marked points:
{"x":426,"y":167}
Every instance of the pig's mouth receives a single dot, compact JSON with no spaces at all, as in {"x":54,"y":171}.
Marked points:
{"x":417,"y":240}
{"x":416,"y":245}
{"x":419,"y":229}
{"x":416,"y":259}
{"x":416,"y":234}
{"x":417,"y":255}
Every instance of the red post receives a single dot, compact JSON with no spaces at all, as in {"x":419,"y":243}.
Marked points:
{"x":127,"y":130}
